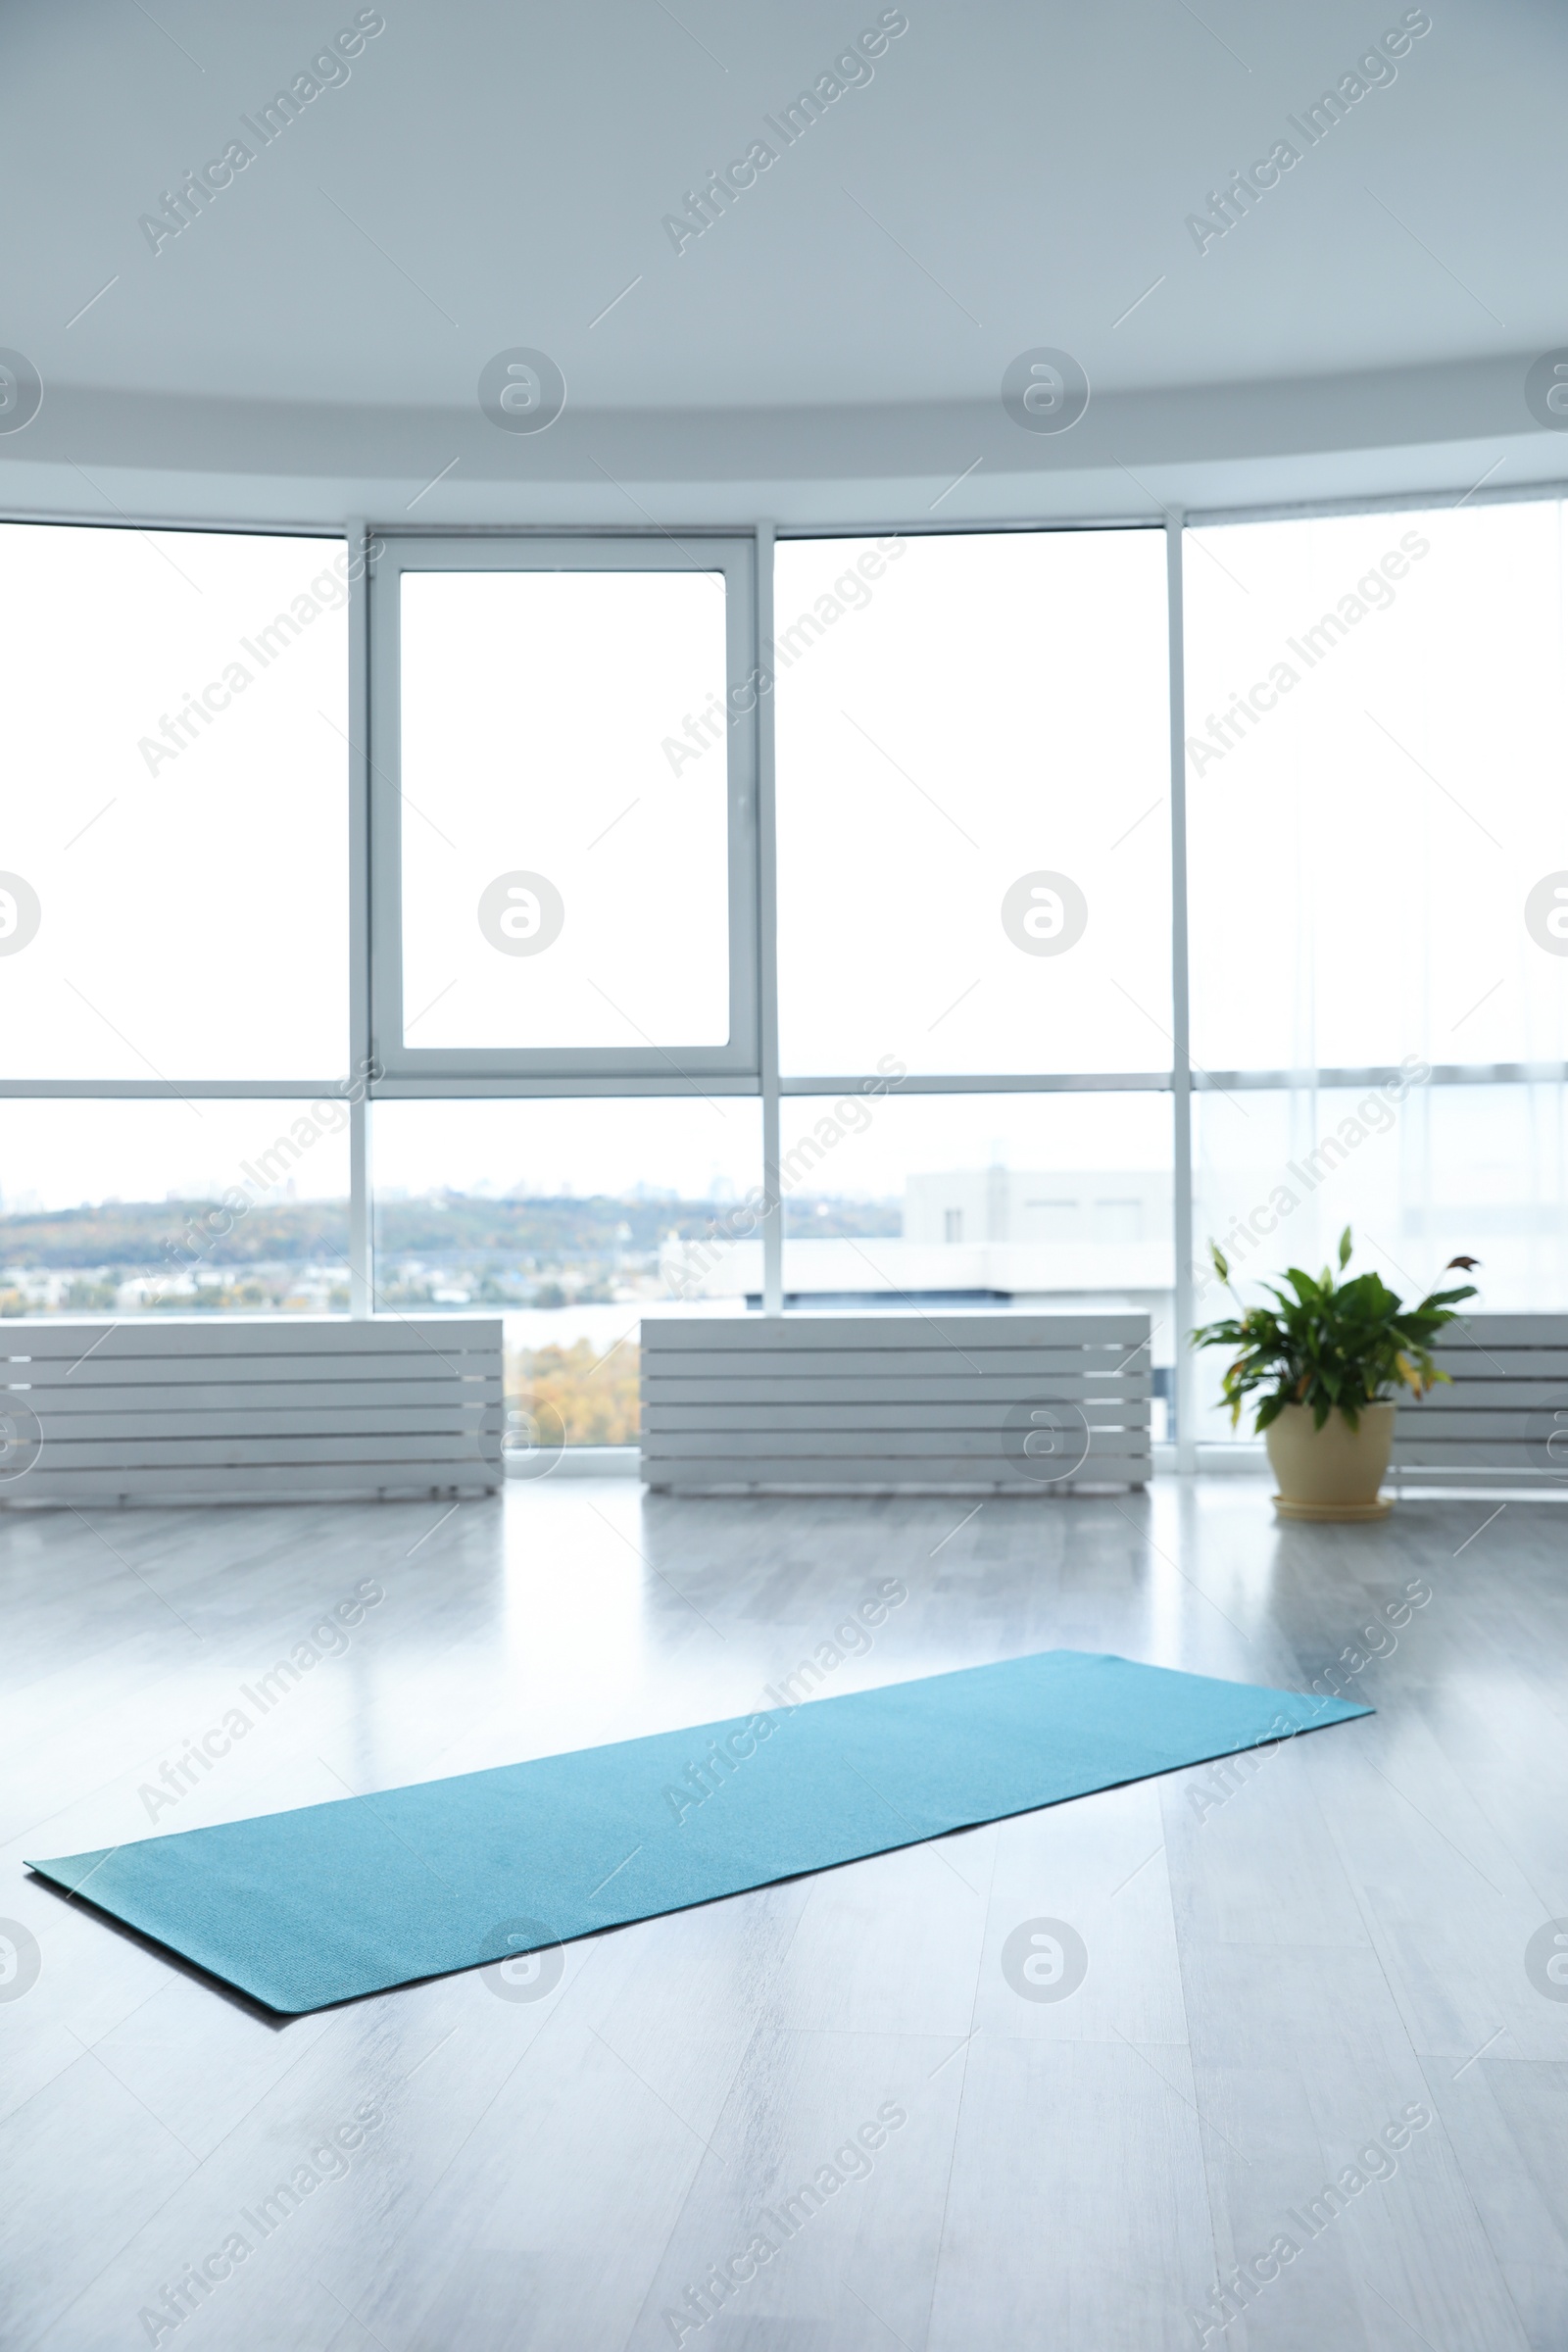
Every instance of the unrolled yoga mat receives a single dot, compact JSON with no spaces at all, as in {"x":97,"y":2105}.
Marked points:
{"x":305,"y":1908}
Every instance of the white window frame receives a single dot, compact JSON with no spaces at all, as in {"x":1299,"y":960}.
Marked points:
{"x":405,"y":1070}
{"x":749,"y":1064}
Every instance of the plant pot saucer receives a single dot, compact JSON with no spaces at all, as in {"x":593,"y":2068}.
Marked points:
{"x":1340,"y":1512}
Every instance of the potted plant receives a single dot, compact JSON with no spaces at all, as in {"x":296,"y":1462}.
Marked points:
{"x":1331,"y":1360}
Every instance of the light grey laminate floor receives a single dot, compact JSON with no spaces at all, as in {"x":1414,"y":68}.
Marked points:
{"x":1282,"y":1968}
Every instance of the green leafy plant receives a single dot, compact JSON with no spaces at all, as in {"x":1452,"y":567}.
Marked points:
{"x":1334,"y":1346}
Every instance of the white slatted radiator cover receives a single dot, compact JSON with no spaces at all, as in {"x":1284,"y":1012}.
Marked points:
{"x":189,"y":1408}
{"x":1504,"y":1419}
{"x":1032,"y":1403}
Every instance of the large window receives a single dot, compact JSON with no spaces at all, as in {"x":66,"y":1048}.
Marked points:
{"x":184,"y":1207}
{"x":571,"y":1220}
{"x":1377,"y":711}
{"x":1051,"y":1202}
{"x":566,"y":834}
{"x":174,"y":739}
{"x":974,"y":829}
{"x":1377,"y":714}
{"x":582,"y":943}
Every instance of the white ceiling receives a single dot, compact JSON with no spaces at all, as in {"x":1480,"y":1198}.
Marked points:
{"x":1014,"y":176}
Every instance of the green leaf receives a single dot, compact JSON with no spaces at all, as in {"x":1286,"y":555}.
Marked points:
{"x":1330,"y":1345}
{"x":1221,"y":1268}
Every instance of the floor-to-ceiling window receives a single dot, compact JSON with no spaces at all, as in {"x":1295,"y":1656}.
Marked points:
{"x":175,"y":1033}
{"x":1377,"y":711}
{"x":684,"y":923}
{"x":564,"y":945}
{"x":974,"y":920}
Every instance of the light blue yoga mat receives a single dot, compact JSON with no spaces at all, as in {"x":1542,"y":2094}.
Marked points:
{"x":306,"y":1908}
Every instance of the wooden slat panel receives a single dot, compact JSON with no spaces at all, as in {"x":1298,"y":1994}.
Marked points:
{"x":236,"y":1397}
{"x":966,"y":1445}
{"x":1504,"y":1404}
{"x":1451,"y":1428}
{"x":1507,"y":1400}
{"x":174,"y":1453}
{"x":1523,"y":1331}
{"x":867,"y":1417}
{"x":951,"y":1363}
{"x":285,"y":1371}
{"x":797,"y":1363}
{"x":347,"y":1423}
{"x":210,"y":1334}
{"x":1481,"y":1374}
{"x":661,"y":1388}
{"x":879,"y":1474}
{"x":257,"y":1482}
{"x":1515,"y":1473}
{"x":892,"y":1399}
{"x":1477,"y":1454}
{"x":194,"y":1407}
{"x":1476,"y":1396}
{"x":902,"y":1331}
{"x":979,"y":1444}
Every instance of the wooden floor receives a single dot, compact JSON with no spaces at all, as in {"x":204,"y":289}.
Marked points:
{"x":1348,"y":1937}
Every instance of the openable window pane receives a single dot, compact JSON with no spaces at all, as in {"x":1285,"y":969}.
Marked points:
{"x":127,"y":1209}
{"x":1377,"y":710}
{"x":172,"y":736}
{"x":973,"y":803}
{"x":572,"y":1220}
{"x":563,"y":808}
{"x":1420,"y":1172}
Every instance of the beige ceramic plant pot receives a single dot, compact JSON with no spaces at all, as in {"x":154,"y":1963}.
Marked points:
{"x":1333,"y":1472}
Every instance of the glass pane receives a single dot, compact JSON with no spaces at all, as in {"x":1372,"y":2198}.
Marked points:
{"x":572,"y":1220}
{"x":125,"y":1208}
{"x":1052,"y":1202}
{"x":974,"y":787}
{"x":1421,"y":1173}
{"x":1377,"y":764}
{"x":565,"y":847}
{"x":175,"y":899}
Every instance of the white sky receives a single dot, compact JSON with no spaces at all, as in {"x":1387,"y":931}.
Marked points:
{"x":194,"y":918}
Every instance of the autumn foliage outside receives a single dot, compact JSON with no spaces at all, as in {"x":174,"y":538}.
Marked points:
{"x":596,"y":1398}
